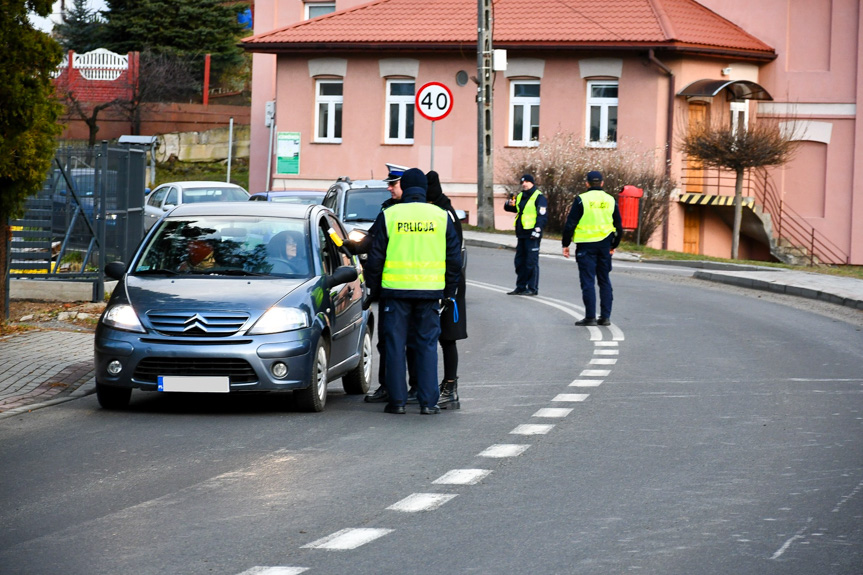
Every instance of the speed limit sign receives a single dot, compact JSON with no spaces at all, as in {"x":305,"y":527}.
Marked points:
{"x":434,"y":101}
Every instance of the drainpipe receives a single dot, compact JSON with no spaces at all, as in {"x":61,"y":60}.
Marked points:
{"x":669,"y":134}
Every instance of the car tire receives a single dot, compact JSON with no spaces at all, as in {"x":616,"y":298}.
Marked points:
{"x":314,"y":397}
{"x":113,"y":397}
{"x":357,"y":381}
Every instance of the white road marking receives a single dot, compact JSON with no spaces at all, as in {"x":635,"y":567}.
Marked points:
{"x":594,"y":373}
{"x":421,"y":502}
{"x":462,"y":477}
{"x":571,"y":397}
{"x":606,"y":344}
{"x":603,"y":361}
{"x":274,"y":570}
{"x":503,"y":450}
{"x":586,"y":383}
{"x":347,"y":539}
{"x":606,"y":352}
{"x":553,"y":412}
{"x":532,"y":429}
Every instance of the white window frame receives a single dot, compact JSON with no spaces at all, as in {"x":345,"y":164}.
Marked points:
{"x":739,"y":111}
{"x":307,"y":8}
{"x":604,"y":105}
{"x":334,"y":105}
{"x":527,"y":105}
{"x":405,"y":106}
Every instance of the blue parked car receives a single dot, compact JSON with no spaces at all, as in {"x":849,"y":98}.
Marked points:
{"x":232,"y":298}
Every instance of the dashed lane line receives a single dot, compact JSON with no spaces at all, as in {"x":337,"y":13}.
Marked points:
{"x":347,"y":539}
{"x":501,"y":451}
{"x":422,"y":502}
{"x":462,"y":477}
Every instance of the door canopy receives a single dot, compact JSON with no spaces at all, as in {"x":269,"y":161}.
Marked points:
{"x":734,"y":89}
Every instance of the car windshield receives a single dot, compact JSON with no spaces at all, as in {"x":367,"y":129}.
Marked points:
{"x":214,"y":194}
{"x":228,"y":245}
{"x":299,"y":199}
{"x":364,"y":204}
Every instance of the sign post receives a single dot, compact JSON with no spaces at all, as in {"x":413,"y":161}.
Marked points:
{"x":433,"y":102}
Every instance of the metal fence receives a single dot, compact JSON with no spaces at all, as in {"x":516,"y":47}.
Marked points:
{"x":89,"y":212}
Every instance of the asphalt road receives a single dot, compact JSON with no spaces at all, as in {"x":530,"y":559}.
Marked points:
{"x":710,"y":430}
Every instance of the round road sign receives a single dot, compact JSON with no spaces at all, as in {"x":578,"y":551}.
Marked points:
{"x":434,"y":101}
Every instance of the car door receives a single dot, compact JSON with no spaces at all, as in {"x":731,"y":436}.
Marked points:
{"x":153,"y":207}
{"x":346,"y":313}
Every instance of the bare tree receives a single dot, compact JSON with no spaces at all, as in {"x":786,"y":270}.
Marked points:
{"x":161,"y":77}
{"x":717,"y":144}
{"x":88,"y":112}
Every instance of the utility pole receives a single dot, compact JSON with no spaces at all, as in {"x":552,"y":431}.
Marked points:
{"x":485,"y":118}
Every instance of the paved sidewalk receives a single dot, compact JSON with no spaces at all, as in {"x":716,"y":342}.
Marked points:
{"x":43,"y":368}
{"x":46,"y":367}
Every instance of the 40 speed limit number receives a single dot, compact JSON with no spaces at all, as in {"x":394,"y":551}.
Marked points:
{"x":434,"y":101}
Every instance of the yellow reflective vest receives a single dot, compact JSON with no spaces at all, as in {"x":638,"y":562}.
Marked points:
{"x":597,"y":221}
{"x":416,"y":251}
{"x":528,"y":216}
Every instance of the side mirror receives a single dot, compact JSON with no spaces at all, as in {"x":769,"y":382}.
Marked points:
{"x":115,"y":270}
{"x":342,"y":275}
{"x":167,"y":207}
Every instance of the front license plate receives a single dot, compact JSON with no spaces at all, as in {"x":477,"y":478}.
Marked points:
{"x":201,"y":384}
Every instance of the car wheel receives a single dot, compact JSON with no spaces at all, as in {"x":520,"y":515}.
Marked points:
{"x":113,"y":397}
{"x":314,"y":397}
{"x":357,"y":380}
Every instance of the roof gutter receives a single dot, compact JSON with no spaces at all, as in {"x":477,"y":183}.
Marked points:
{"x":669,"y":133}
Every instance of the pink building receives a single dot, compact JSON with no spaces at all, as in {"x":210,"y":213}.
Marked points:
{"x":631,"y":74}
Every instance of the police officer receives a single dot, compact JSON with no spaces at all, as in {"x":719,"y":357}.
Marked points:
{"x":530,"y":207}
{"x":413,"y":263}
{"x":363,"y":246}
{"x":595,"y":226}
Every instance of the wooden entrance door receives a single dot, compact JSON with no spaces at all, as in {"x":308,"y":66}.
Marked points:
{"x":691,"y":230}
{"x":698,"y":113}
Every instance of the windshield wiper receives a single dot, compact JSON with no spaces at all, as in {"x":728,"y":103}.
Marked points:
{"x":156,"y":272}
{"x":225,"y":272}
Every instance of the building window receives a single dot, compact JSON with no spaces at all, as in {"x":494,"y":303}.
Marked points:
{"x":739,"y":116}
{"x":315,"y":9}
{"x":328,"y":116}
{"x":524,"y":113}
{"x":400,"y":112}
{"x":602,"y":114}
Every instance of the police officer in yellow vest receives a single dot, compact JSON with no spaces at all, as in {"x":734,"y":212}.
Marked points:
{"x":413,"y":264}
{"x":530,"y":207}
{"x":595,"y":226}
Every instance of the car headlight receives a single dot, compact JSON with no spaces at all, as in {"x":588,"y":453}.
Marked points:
{"x":123,"y":316}
{"x":279,"y":319}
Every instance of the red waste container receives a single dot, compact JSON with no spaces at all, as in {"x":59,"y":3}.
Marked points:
{"x":628,"y":203}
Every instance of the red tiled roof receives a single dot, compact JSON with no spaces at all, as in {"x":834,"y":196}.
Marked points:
{"x":678,"y":24}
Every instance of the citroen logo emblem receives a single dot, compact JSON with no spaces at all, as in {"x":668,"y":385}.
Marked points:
{"x":196,"y":322}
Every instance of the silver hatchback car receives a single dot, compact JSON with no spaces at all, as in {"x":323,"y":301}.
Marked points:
{"x":235,"y":297}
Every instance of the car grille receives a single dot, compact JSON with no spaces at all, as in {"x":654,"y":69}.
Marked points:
{"x":238,"y":370}
{"x":209,"y":324}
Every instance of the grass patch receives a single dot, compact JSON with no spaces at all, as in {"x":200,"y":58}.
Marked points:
{"x":208,"y":171}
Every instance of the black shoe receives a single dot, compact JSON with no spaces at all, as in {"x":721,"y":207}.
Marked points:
{"x":394,"y":409}
{"x":517,"y":291}
{"x":603,"y":321}
{"x":426,"y":410}
{"x":531,"y":292}
{"x":586,"y":321}
{"x":412,"y":396}
{"x":379,"y":396}
{"x":449,"y":395}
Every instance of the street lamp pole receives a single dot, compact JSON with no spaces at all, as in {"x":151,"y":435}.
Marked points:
{"x":485,"y":117}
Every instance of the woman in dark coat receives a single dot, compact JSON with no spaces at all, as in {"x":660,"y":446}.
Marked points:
{"x":453,"y":319}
